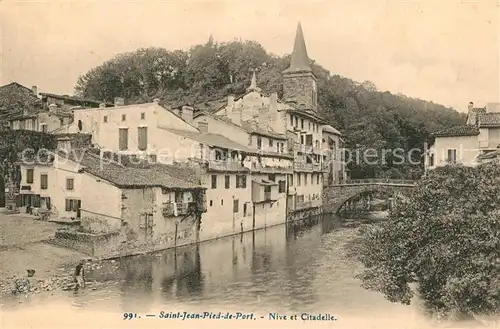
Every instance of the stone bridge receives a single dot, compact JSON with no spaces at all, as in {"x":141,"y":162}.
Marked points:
{"x":335,"y":196}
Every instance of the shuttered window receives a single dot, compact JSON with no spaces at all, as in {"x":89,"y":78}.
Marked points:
{"x":44,"y":181}
{"x":142,"y":133}
{"x":123,"y":139}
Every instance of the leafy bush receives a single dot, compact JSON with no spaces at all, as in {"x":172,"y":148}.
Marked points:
{"x":445,"y":238}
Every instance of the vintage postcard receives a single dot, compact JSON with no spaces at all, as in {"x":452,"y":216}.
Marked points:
{"x":250,"y":164}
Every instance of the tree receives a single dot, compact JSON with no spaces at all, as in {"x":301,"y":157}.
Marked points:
{"x":445,"y":238}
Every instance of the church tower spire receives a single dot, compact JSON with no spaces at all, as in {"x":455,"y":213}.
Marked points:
{"x":253,"y":83}
{"x":299,"y":61}
{"x":299,"y":82}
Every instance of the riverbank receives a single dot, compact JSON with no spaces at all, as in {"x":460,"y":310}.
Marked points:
{"x":25,"y":243}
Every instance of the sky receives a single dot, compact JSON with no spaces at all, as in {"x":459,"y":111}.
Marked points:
{"x":443,"y":51}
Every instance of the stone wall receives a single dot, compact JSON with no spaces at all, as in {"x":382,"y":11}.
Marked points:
{"x":298,"y":87}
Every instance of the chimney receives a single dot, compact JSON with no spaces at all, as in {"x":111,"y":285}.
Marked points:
{"x":156,"y":101}
{"x":263,"y":119}
{"x":52,"y":108}
{"x":203,"y":127}
{"x":119,"y":101}
{"x":472,"y":115}
{"x":187,"y":114}
{"x":471,"y":105}
{"x":230,"y":102}
{"x":102,"y":105}
{"x":34,"y":89}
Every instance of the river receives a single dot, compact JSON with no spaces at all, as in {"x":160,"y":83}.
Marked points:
{"x":285,"y":269}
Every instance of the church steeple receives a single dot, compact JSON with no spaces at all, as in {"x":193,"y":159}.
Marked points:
{"x":253,"y":83}
{"x":299,"y":82}
{"x":299,"y":61}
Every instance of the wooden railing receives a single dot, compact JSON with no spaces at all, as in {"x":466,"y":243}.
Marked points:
{"x":183,"y":208}
{"x":224,"y":165}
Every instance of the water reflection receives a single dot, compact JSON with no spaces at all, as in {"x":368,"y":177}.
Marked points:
{"x":296,"y":267}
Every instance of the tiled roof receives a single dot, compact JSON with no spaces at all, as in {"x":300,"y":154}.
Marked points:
{"x":306,"y":113}
{"x":245,"y":125}
{"x":215,"y":140}
{"x":166,"y":176}
{"x":73,"y":98}
{"x":489,"y":120}
{"x":465,"y":130}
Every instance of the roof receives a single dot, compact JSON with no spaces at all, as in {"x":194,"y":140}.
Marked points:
{"x":489,"y":120}
{"x":210,"y":139}
{"x":154,"y":175}
{"x":299,"y":61}
{"x":245,"y":125}
{"x":330,"y":129}
{"x":73,"y":98}
{"x":265,"y":182}
{"x":219,"y":141}
{"x":465,"y":130}
{"x":309,"y":114}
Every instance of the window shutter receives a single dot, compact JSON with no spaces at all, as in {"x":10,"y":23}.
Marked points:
{"x":142,"y":133}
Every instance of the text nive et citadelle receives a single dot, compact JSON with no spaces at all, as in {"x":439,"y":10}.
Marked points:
{"x":232,"y":316}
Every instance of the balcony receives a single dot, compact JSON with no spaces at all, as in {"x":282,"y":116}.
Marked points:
{"x":183,"y":208}
{"x":256,"y":167}
{"x":302,"y":166}
{"x":221,"y":165}
{"x":269,"y":196}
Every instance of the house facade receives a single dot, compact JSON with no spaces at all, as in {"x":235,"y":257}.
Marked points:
{"x":470,"y":144}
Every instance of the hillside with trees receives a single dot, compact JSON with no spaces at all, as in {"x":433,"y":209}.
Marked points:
{"x":368,"y":118}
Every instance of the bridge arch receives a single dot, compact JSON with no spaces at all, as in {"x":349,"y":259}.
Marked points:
{"x":335,"y":196}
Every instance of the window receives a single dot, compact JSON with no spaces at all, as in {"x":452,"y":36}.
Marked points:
{"x":105,"y":119}
{"x":452,"y":156}
{"x":227,"y":181}
{"x":44,"y":181}
{"x":152,"y":158}
{"x":211,"y":203}
{"x":270,"y":142}
{"x":123,"y":139}
{"x":29,"y":176}
{"x":291,"y":120}
{"x":236,"y":206}
{"x":143,"y":116}
{"x":317,"y":179}
{"x":282,"y":186}
{"x":70,"y":184}
{"x":301,"y":139}
{"x":291,"y":179}
{"x":259,"y":142}
{"x":124,"y":117}
{"x":302,"y":123}
{"x":296,"y":122}
{"x":272,"y":177}
{"x":43,"y":127}
{"x":241,"y":181}
{"x":142,"y":138}
{"x":299,"y":178}
{"x":431,"y":160}
{"x":214,"y":181}
{"x":305,"y":179}
{"x":221,"y":202}
{"x":72,"y":205}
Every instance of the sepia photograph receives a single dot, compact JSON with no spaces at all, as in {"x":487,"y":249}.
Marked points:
{"x":250,"y":163}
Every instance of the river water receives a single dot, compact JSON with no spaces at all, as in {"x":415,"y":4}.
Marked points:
{"x":286,"y":269}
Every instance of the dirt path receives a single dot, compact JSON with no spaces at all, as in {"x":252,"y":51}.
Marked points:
{"x":24,"y":245}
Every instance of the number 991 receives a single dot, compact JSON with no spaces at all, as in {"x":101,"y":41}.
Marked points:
{"x":129,"y":316}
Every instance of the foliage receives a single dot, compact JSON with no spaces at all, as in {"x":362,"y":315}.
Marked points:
{"x":368,"y":118}
{"x":13,"y":142}
{"x":445,"y":238}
